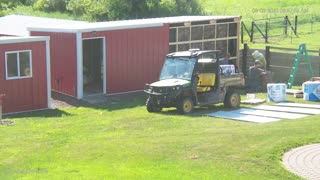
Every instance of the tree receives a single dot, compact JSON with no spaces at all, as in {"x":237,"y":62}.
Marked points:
{"x":51,"y":5}
{"x":6,"y":5}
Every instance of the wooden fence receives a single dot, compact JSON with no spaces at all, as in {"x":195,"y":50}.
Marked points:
{"x":280,"y":63}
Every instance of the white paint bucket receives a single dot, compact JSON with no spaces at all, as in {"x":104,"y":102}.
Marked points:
{"x":276,"y":92}
{"x":311,"y":90}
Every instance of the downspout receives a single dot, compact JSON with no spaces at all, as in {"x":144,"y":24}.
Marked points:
{"x":79,"y":65}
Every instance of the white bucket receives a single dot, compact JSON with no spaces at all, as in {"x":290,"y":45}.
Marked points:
{"x":276,"y":92}
{"x":251,"y":96}
{"x":311,"y":90}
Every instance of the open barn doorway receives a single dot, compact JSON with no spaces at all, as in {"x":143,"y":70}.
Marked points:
{"x":93,"y":71}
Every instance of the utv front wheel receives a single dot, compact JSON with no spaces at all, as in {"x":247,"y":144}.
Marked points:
{"x":151,"y":107}
{"x":185,"y":106}
{"x":232,"y":100}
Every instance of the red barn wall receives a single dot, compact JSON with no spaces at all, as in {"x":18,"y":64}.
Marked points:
{"x":28,"y":93}
{"x":63,"y":58}
{"x":134,"y":57}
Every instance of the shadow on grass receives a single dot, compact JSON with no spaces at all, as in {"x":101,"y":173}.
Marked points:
{"x":197,"y":111}
{"x":39,"y":113}
{"x":127,"y":104}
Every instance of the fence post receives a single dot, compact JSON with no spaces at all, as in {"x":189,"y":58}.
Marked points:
{"x":268,"y":57}
{"x":241,"y":32}
{"x":285,"y":28}
{"x":251,"y":35}
{"x":244,"y":58}
{"x":267,"y":29}
{"x":295,"y":25}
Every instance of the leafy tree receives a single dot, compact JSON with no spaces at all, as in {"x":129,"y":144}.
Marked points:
{"x":6,"y":5}
{"x":102,"y":10}
{"x":94,"y":10}
{"x":128,"y":9}
{"x":51,"y":5}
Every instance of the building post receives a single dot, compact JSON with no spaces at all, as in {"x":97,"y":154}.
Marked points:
{"x":268,"y":57}
{"x":244,"y":58}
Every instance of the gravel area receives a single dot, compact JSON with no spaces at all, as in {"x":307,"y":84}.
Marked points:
{"x":64,"y":101}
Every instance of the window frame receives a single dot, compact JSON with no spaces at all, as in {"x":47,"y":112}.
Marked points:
{"x":18,"y":64}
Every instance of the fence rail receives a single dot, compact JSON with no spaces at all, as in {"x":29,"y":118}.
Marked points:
{"x":263,"y":29}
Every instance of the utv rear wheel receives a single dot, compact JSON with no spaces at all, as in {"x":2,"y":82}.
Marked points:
{"x":232,"y":100}
{"x":151,"y":107}
{"x":185,"y":106}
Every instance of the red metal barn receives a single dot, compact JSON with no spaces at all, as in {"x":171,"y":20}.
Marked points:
{"x":25,"y":77}
{"x":121,"y":56}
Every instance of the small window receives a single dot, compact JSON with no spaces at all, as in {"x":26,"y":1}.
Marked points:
{"x":18,"y":64}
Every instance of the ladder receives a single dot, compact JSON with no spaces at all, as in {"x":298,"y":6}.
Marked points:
{"x":302,"y":49}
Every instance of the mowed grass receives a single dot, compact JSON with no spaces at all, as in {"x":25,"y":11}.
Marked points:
{"x":124,"y":141}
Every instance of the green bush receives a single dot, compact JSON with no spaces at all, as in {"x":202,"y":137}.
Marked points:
{"x":50,"y":5}
{"x":96,"y":10}
{"x":101,"y":10}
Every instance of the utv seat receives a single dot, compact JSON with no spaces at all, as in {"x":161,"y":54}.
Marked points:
{"x":206,"y":82}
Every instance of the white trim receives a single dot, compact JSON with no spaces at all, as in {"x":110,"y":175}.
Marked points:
{"x":104,"y":62}
{"x":12,"y":40}
{"x":104,"y":85}
{"x":128,"y":24}
{"x":79,"y":65}
{"x":18,"y":64}
{"x":48,"y":72}
{"x":83,"y":30}
{"x":127,"y":92}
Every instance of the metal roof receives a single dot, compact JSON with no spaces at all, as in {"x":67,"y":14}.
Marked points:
{"x":17,"y":25}
{"x":124,"y":24}
{"x":20,"y":25}
{"x":10,"y":40}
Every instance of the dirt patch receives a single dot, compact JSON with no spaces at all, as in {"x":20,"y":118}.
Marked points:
{"x":64,"y":101}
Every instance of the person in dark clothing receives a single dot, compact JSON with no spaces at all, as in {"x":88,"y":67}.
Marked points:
{"x":254,"y":79}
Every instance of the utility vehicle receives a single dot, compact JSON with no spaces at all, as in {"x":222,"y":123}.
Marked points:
{"x":194,"y":78}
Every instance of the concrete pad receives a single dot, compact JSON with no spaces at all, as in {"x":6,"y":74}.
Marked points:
{"x":274,"y":114}
{"x":243,"y":117}
{"x":314,"y":106}
{"x":289,"y":109}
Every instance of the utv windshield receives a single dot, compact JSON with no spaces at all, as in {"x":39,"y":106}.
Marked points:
{"x":178,"y":67}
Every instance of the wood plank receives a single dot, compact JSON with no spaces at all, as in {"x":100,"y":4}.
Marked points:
{"x":301,"y":105}
{"x":253,"y":101}
{"x":280,"y":115}
{"x":288,"y":109}
{"x":243,"y":117}
{"x":294,"y":91}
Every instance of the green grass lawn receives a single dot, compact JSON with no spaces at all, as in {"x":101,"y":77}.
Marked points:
{"x":124,"y":141}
